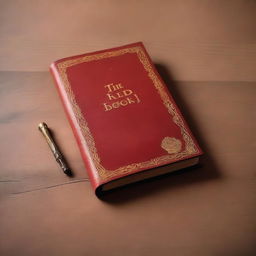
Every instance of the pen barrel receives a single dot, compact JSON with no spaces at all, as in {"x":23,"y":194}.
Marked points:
{"x":43,"y":128}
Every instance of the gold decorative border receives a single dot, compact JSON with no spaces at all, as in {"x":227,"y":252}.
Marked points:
{"x":104,"y":174}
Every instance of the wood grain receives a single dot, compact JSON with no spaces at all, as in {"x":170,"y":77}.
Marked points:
{"x":199,"y":40}
{"x":206,"y":53}
{"x":41,"y":207}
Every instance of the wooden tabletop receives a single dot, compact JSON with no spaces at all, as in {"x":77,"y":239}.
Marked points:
{"x":206,"y":53}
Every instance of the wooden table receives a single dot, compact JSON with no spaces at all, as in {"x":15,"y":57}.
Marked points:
{"x":206,"y":53}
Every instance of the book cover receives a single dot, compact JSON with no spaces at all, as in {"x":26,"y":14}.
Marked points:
{"x":124,"y":119}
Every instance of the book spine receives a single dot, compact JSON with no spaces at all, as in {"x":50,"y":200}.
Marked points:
{"x":90,"y":167}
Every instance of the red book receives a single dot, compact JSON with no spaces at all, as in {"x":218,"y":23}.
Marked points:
{"x":124,"y":119}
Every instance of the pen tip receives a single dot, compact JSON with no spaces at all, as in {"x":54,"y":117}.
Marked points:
{"x":68,"y":172}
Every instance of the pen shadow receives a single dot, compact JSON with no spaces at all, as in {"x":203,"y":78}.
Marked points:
{"x":205,"y":171}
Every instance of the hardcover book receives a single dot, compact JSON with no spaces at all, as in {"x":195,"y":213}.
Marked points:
{"x":125,"y":121}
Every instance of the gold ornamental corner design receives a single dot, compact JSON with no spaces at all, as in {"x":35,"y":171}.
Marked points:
{"x":171,"y":145}
{"x":104,"y":175}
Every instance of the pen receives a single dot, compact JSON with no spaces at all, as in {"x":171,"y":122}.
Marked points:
{"x":43,"y":128}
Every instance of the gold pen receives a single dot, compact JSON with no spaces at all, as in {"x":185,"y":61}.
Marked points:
{"x":43,"y":128}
